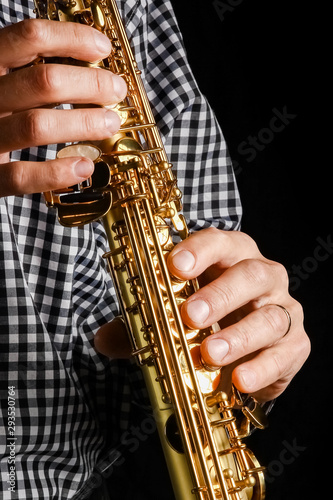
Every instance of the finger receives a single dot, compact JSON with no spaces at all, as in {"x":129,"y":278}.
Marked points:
{"x":112,"y":340}
{"x":23,"y":42}
{"x":249,"y":281}
{"x":269,"y":373}
{"x":259,"y":329}
{"x":44,"y":84}
{"x":44,"y":126}
{"x":191,"y":257}
{"x":34,"y":177}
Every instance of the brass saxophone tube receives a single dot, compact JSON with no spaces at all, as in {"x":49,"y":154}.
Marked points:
{"x":134,"y":192}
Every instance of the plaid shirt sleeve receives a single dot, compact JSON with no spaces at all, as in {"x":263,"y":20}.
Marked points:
{"x":70,"y":404}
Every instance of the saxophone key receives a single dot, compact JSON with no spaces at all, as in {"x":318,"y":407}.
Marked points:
{"x":222,"y":422}
{"x":241,"y":484}
{"x":136,"y":290}
{"x":148,"y":361}
{"x":166,"y":398}
{"x":146,"y":330}
{"x":84,"y":17}
{"x":98,"y":16}
{"x":198,"y":489}
{"x":133,"y":279}
{"x":135,"y":307}
{"x":165,"y":211}
{"x":121,"y":265}
{"x":255,"y":414}
{"x":116,"y":251}
{"x":79,"y":197}
{"x":149,"y":349}
{"x":256,"y":470}
{"x":216,"y":399}
{"x":142,"y":350}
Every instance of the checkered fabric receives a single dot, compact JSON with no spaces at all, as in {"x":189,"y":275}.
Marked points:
{"x":72,"y":404}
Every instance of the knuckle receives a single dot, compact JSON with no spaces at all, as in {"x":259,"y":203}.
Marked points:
{"x":274,"y":390}
{"x":89,"y":123}
{"x":275,"y":318}
{"x":224,"y":238}
{"x":241,"y":341}
{"x":248,"y":242}
{"x":297,"y":312}
{"x":282,"y":367}
{"x":16,"y":179}
{"x":98,"y":83}
{"x":257,"y":272}
{"x":302,"y":344}
{"x":57,"y":176}
{"x":33,"y":127}
{"x":214,"y":230}
{"x":78,"y":34}
{"x":305,"y":347}
{"x":282,"y":273}
{"x":221,"y":294}
{"x":45,"y":81}
{"x":33,"y":32}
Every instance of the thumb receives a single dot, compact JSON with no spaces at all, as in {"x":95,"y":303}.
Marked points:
{"x":112,"y":340}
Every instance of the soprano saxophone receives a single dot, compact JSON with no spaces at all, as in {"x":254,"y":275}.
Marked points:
{"x":134,"y":192}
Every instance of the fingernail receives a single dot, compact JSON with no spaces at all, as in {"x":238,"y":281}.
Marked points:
{"x":249,"y":379}
{"x":119,"y":87}
{"x":217,"y":349}
{"x":197,"y":311}
{"x":112,"y":121}
{"x":184,"y":260}
{"x":83,"y":168}
{"x":102,"y":42}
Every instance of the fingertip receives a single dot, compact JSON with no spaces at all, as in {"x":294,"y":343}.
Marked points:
{"x":214,"y":350}
{"x":102,"y":42}
{"x":83,"y":168}
{"x":112,"y":121}
{"x":245,"y":379}
{"x":181,"y":261}
{"x":64,"y":172}
{"x":119,"y":87}
{"x":195,"y":312}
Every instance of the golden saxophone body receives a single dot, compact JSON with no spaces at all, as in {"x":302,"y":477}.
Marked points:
{"x":134,"y":191}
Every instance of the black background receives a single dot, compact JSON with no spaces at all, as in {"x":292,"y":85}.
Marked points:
{"x":251,"y":58}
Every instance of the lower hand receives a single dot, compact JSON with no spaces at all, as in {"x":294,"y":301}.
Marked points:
{"x":244,"y":292}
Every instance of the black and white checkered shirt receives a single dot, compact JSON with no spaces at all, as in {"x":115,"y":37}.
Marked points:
{"x":71,"y":404}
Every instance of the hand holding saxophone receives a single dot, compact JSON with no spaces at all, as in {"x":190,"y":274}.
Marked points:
{"x":244,"y":292}
{"x":261,"y":324}
{"x":28,"y":94}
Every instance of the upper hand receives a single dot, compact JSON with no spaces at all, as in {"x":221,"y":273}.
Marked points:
{"x":242,"y":290}
{"x":27,"y":94}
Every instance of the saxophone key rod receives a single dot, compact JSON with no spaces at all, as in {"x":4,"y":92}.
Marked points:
{"x":187,"y":403}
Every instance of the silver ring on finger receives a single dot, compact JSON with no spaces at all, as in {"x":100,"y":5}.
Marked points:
{"x":287,"y":313}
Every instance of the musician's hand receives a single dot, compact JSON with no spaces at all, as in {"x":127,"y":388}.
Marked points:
{"x":245,"y":291}
{"x":26,"y":96}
